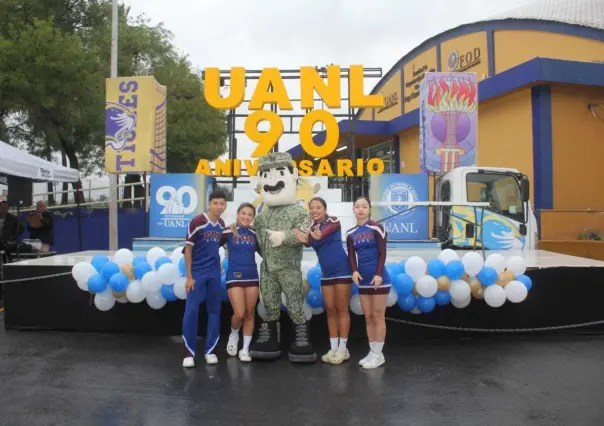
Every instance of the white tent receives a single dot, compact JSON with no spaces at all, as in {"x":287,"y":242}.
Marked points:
{"x":15,"y":162}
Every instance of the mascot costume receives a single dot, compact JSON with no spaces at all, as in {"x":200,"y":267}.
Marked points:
{"x":281,"y":259}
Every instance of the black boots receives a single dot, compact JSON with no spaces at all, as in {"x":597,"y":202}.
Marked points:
{"x":267,"y":344}
{"x":301,"y":350}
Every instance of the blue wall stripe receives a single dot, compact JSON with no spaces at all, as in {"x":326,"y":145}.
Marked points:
{"x":543,"y":174}
{"x":491,"y":51}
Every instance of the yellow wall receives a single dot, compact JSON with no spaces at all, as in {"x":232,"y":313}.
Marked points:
{"x":468,"y":53}
{"x":367,"y":114}
{"x":414,"y":72}
{"x":409,"y":150}
{"x":578,"y":148}
{"x":514,"y":47}
{"x":392,"y":94}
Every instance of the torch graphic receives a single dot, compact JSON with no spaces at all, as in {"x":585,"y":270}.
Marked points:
{"x":451,"y":97}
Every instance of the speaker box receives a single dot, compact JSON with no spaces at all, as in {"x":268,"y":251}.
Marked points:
{"x":20,"y":191}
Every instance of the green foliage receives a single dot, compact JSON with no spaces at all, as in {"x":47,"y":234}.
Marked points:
{"x":54,"y":59}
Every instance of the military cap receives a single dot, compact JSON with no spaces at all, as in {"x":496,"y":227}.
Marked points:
{"x":274,"y":160}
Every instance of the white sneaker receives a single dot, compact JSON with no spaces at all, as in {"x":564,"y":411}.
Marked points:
{"x":364,"y":360}
{"x":211,"y":359}
{"x":374,"y":361}
{"x":244,"y":356}
{"x":232,"y":344}
{"x":188,"y":362}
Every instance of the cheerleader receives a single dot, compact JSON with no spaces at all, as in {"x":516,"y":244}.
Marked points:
{"x":367,"y":256}
{"x":325,"y":237}
{"x":242,"y":279}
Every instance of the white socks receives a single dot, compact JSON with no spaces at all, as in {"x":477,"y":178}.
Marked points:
{"x":234,"y":333}
{"x":246,"y":343}
{"x":335,"y":346}
{"x":376,"y":347}
{"x":334,"y":343}
{"x":342,"y":345}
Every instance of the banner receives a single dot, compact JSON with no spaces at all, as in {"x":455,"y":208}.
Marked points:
{"x":174,"y":200}
{"x":135,"y":125}
{"x":408,"y":224}
{"x":448,"y":118}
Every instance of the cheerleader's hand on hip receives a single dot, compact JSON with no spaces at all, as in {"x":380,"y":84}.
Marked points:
{"x":356,"y":277}
{"x":189,"y":285}
{"x":377,"y":281}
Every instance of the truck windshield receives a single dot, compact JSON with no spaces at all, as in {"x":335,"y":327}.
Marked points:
{"x":501,"y":190}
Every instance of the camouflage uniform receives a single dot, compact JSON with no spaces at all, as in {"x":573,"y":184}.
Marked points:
{"x":281,"y":272}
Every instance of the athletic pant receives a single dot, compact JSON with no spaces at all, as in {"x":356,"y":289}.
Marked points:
{"x":290,"y":283}
{"x":210,"y":288}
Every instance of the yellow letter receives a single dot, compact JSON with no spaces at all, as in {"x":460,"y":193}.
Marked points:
{"x":265,"y":140}
{"x":237,"y":168}
{"x":357,"y":98}
{"x":332,"y":133}
{"x":311,"y":80}
{"x":252,"y":167}
{"x":360,"y":167}
{"x":222,"y":167}
{"x":203,"y":168}
{"x":344,"y":167}
{"x":324,"y":168}
{"x":375,"y":166}
{"x":261,"y":96}
{"x":211,"y":88}
{"x":305,"y":168}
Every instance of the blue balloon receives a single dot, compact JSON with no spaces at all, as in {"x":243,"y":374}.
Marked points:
{"x":442,"y":298}
{"x":168,"y":292}
{"x":314,"y":299}
{"x":118,"y":282}
{"x":355,"y":289}
{"x":401,"y":265}
{"x":454,"y":270}
{"x":487,"y":276}
{"x":426,"y":304}
{"x":314,"y":278}
{"x":109,"y":269}
{"x":97,"y":284}
{"x":407,"y":303}
{"x":403,"y":284}
{"x":98,"y":261}
{"x":436,"y":268}
{"x":138,"y":259}
{"x":526,"y":280}
{"x":225,"y":263}
{"x":162,"y":261}
{"x":140,"y":269}
{"x":393,"y":269}
{"x":182,"y":268}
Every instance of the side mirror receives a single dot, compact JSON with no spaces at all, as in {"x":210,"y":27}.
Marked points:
{"x":469,"y":230}
{"x":524,"y":189}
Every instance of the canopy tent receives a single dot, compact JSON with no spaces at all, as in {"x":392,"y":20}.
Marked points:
{"x":15,"y":162}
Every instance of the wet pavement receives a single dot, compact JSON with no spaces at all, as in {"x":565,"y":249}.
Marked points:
{"x":53,"y":378}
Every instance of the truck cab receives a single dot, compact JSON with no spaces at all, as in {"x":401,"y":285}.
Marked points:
{"x":505,"y":222}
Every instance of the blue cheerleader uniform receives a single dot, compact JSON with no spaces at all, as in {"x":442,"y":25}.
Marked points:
{"x":332,"y":257}
{"x":242,"y":270}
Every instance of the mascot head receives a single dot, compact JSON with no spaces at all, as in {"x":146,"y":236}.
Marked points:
{"x":278,"y":179}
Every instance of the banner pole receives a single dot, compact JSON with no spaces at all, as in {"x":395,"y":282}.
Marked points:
{"x":113,"y":177}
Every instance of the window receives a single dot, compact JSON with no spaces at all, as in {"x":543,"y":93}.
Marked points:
{"x":501,"y":190}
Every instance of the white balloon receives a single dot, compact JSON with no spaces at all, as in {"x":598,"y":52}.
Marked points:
{"x":221,"y":253}
{"x":81,"y":273}
{"x":151,"y":282}
{"x":494,"y":296}
{"x":415,"y":267}
{"x":122,"y":299}
{"x":104,"y":301}
{"x":517,"y":265}
{"x":261,"y":309}
{"x":179,"y":288}
{"x":472,"y":263}
{"x":317,"y":311}
{"x":305,"y":267}
{"x":307,"y":311}
{"x":460,"y":304}
{"x":355,"y":305}
{"x":156,"y":300}
{"x":448,"y":255}
{"x":515,"y":291}
{"x":123,"y":257}
{"x":168,"y":273}
{"x":135,"y":292}
{"x":154,"y":254}
{"x":392,"y":297}
{"x":496,"y":261}
{"x":460,"y":290}
{"x":427,"y":286}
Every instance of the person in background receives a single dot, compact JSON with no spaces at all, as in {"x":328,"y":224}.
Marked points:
{"x":325,"y":237}
{"x":367,"y":256}
{"x":202,"y":262}
{"x":242,"y":279}
{"x":10,"y":228}
{"x":41,"y":227}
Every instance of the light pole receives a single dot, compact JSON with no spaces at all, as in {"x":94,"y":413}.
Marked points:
{"x":113,"y":177}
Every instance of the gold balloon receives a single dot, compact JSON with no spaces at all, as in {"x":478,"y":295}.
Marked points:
{"x":465,"y":277}
{"x":478,"y":293}
{"x":127,"y":270}
{"x":507,"y":276}
{"x":305,"y":286}
{"x":118,"y":295}
{"x":444,"y":283}
{"x":474,"y":283}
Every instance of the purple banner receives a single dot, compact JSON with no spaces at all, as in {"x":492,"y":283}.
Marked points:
{"x":448,"y":117}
